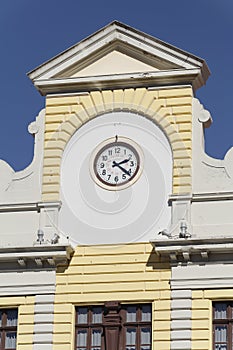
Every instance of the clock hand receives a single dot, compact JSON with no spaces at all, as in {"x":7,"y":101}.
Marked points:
{"x":121,"y":168}
{"x":122,"y":162}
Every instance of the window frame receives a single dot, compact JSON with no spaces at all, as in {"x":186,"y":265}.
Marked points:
{"x":88,"y":326}
{"x":228,"y":322}
{"x":139,"y":324}
{"x":4,"y":328}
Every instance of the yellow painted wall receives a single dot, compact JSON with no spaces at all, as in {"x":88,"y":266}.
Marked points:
{"x":25,"y":328}
{"x":126,"y":273}
{"x":202,"y":335}
{"x":171,"y":109}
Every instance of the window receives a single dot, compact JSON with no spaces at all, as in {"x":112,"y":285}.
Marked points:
{"x":89,"y":328}
{"x":222,"y":325}
{"x":136,"y":325}
{"x":113,"y":326}
{"x":8,"y":329}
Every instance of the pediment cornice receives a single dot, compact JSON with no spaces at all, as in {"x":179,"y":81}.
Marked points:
{"x":164,"y":59}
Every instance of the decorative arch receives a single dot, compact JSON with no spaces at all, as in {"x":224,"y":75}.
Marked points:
{"x":170,"y":109}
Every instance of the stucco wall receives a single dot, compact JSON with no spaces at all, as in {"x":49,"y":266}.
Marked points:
{"x":126,"y":273}
{"x":170,"y":108}
{"x":202,"y":315}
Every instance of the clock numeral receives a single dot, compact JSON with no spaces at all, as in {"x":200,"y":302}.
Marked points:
{"x":104,"y":158}
{"x":117,"y":150}
{"x":125,"y":151}
{"x":109,"y":176}
{"x":104,"y":172}
{"x":116,"y":178}
{"x":102,"y":165}
{"x":131,"y":163}
{"x":130,"y":156}
{"x":130,"y":171}
{"x":110,"y":152}
{"x":123,"y":176}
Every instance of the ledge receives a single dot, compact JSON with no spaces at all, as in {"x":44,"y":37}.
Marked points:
{"x":177,"y":76}
{"x":194,"y":249}
{"x":43,"y":255}
{"x":12,"y":207}
{"x":199,"y":197}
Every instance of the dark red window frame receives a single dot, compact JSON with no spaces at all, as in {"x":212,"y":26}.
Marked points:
{"x":7,"y":329}
{"x":113,"y":327}
{"x":223,"y":323}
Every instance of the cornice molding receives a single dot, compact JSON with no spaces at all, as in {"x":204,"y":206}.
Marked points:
{"x":114,"y":36}
{"x":202,"y":197}
{"x":56,"y":74}
{"x":149,"y":79}
{"x":12,"y":207}
{"x":194,"y":249}
{"x":39,"y":256}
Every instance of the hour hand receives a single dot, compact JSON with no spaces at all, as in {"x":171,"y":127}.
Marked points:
{"x":120,"y":167}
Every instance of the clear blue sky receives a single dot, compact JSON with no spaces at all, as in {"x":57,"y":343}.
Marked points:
{"x":32,"y":32}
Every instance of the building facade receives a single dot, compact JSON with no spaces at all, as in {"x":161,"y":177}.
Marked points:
{"x":119,"y":235}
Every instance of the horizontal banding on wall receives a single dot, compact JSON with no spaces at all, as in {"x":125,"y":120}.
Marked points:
{"x":130,"y":273}
{"x":171,"y":109}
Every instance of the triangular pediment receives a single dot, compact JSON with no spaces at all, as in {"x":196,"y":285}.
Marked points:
{"x":114,"y":62}
{"x":117,"y":53}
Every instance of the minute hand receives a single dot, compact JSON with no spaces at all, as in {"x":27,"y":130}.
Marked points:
{"x":120,"y":167}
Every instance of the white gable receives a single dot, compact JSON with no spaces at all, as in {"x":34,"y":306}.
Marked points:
{"x":118,"y":55}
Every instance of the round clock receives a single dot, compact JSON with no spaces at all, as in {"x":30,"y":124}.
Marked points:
{"x":116,"y":163}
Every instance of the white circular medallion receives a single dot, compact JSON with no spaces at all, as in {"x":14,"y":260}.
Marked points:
{"x":133,"y":211}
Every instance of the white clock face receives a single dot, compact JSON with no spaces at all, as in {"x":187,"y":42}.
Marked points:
{"x":116,"y":163}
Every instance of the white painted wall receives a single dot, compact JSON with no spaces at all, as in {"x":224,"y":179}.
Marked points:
{"x":24,"y":186}
{"x":91,"y":214}
{"x":19,"y":194}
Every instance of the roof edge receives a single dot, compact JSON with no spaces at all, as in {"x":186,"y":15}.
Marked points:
{"x":127,"y":30}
